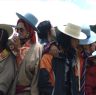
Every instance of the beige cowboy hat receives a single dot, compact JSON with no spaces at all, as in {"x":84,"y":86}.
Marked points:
{"x":7,"y":27}
{"x":73,"y":31}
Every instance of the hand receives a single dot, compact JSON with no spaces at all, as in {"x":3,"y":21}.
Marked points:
{"x":16,"y":42}
{"x":54,"y":51}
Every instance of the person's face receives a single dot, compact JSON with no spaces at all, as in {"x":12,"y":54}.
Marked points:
{"x":22,"y":31}
{"x":87,"y":48}
{"x":53,"y":33}
{"x":92,"y":47}
{"x":74,"y":43}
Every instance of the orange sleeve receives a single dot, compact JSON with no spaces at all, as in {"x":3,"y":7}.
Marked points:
{"x":46,"y":62}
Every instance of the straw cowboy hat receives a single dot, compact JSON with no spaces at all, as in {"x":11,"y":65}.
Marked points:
{"x":7,"y":27}
{"x":30,"y":19}
{"x":72,"y":30}
{"x":91,"y":36}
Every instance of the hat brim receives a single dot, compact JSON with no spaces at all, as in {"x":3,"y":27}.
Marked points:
{"x":22,"y":17}
{"x":89,"y":40}
{"x":93,"y":55}
{"x":8,"y":28}
{"x":81,"y":36}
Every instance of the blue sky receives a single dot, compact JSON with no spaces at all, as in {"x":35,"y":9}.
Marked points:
{"x":83,"y":4}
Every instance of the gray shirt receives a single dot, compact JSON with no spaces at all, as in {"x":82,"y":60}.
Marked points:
{"x":7,"y":73}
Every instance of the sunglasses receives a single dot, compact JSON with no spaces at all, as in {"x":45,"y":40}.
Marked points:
{"x":19,"y":29}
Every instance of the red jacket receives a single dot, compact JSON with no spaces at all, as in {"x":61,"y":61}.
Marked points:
{"x":90,"y":86}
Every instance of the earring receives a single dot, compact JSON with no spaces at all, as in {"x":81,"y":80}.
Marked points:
{"x":27,"y":35}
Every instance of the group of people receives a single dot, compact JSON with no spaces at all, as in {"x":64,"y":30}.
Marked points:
{"x":61,"y":62}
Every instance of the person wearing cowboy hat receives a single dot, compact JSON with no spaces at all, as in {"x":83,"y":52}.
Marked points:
{"x":88,"y":65}
{"x":28,"y":56}
{"x":7,"y":61}
{"x":73,"y":34}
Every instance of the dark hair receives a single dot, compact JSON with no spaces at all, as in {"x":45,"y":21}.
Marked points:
{"x":65,"y":42}
{"x":44,"y":27}
{"x":93,"y":28}
{"x":3,"y":38}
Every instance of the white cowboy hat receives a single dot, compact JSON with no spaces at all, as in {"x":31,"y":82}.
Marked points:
{"x":91,"y":36}
{"x":30,"y":19}
{"x":73,"y":31}
{"x":7,"y":27}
